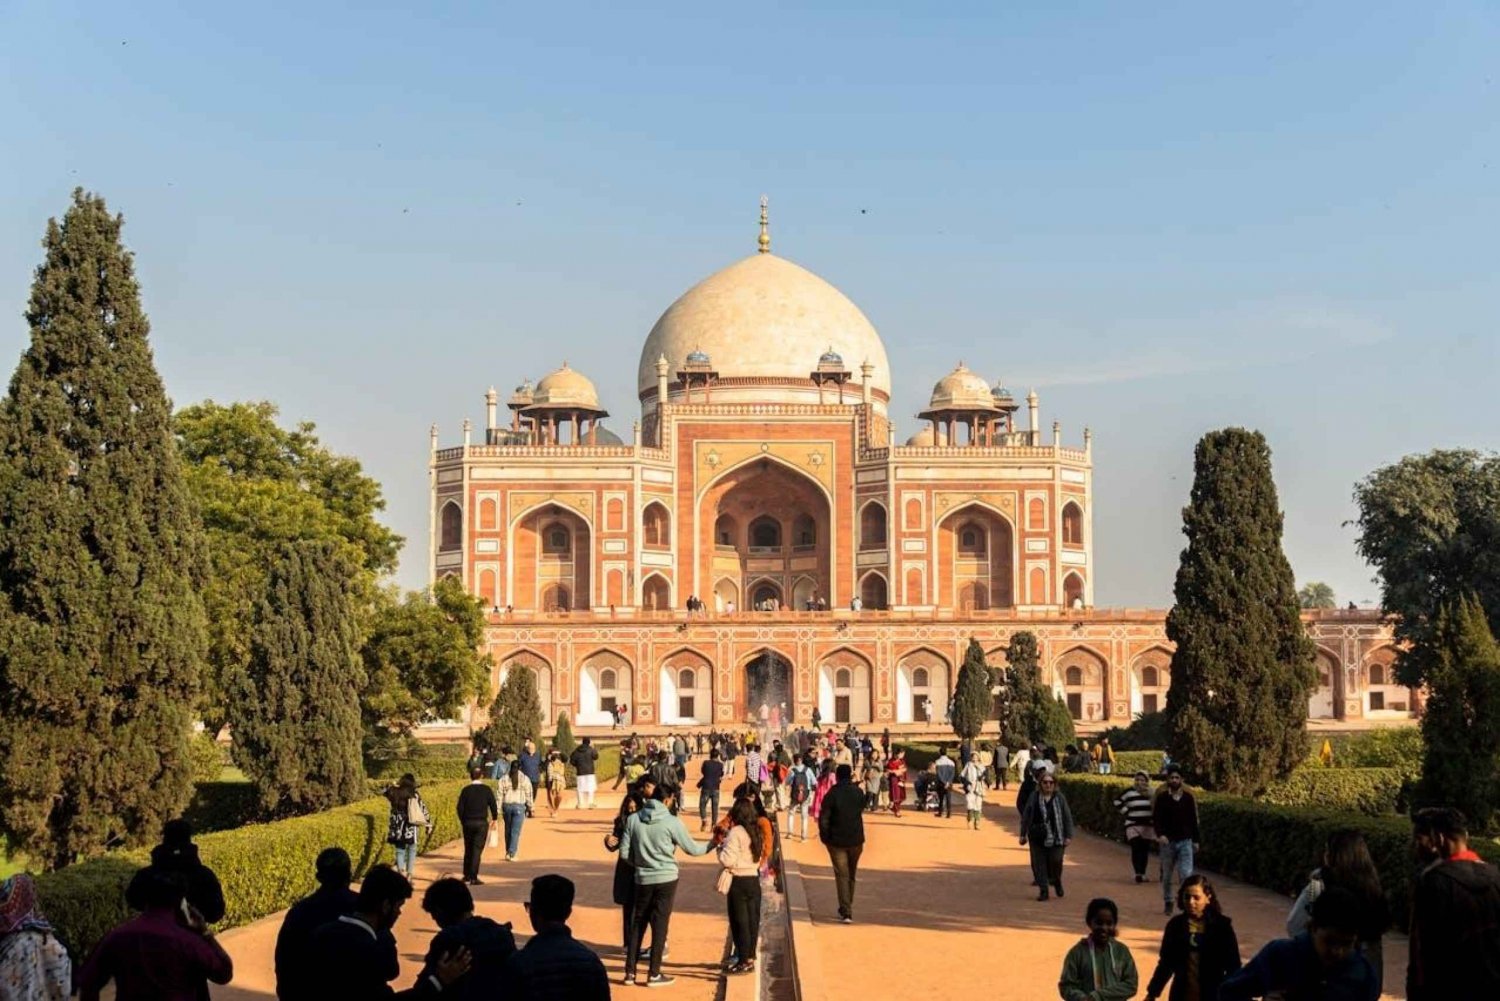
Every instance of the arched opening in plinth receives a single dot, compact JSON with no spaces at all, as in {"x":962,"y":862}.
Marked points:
{"x":768,"y":682}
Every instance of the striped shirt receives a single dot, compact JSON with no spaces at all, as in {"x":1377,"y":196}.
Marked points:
{"x":1135,"y":807}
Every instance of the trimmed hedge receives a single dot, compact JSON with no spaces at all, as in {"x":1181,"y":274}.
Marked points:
{"x":1268,"y":845}
{"x":1130,"y":762}
{"x":1375,"y":792}
{"x":222,"y":806}
{"x":263,"y":867}
{"x":426,"y":769}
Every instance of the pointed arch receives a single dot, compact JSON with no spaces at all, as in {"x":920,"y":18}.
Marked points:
{"x":1150,"y":680}
{"x":976,"y":553}
{"x":872,"y":525}
{"x":489,"y":518}
{"x":606,"y":678}
{"x":1073,"y":590}
{"x":845,"y":698}
{"x":766,"y":457}
{"x":686,"y":688}
{"x":923,"y":676}
{"x":527,"y":657}
{"x":1072,"y":524}
{"x":874,"y":592}
{"x":656,"y":593}
{"x":1079,"y":673}
{"x":656,"y":526}
{"x":450,"y":527}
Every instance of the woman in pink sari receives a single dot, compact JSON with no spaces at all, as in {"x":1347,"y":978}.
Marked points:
{"x":895,"y":773}
{"x":825,"y":783}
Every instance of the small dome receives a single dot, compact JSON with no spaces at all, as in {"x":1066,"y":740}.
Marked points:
{"x":696,"y":357}
{"x":604,"y":436}
{"x":1002,"y":395}
{"x":830,"y":357}
{"x":566,"y":388}
{"x":961,"y":389}
{"x":926,"y":438}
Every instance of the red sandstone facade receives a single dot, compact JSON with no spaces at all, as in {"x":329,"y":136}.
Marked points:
{"x":777,"y":483}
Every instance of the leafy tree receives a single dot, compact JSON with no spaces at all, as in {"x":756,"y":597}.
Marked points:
{"x":101,"y":557}
{"x":1461,"y":726}
{"x":1033,"y":712}
{"x":1316,"y":594}
{"x":1243,"y":668}
{"x":971,"y":699}
{"x":564,"y":736}
{"x":517,"y":711}
{"x":294,"y":705}
{"x":259,"y":486}
{"x":1147,"y":732}
{"x":1430,"y":525}
{"x":422,"y":662}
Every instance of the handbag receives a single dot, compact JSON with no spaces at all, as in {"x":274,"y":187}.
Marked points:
{"x":725,"y":881}
{"x":494,"y":838}
{"x":416,"y":814}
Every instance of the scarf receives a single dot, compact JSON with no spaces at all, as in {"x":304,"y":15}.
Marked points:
{"x":18,"y":906}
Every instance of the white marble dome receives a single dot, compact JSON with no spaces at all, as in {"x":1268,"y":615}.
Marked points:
{"x":763,"y":317}
{"x":961,"y":389}
{"x":566,"y":388}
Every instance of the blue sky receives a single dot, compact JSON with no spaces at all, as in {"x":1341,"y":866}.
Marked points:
{"x":1167,"y":218}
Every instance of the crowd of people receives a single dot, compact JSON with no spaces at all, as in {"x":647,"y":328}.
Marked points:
{"x":339,"y":942}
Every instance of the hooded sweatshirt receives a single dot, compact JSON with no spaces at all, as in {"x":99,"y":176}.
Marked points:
{"x":652,"y":836}
{"x":200,"y":885}
{"x":1091,"y":974}
{"x":489,"y":943}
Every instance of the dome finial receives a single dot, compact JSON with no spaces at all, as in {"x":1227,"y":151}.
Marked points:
{"x":765,"y":226}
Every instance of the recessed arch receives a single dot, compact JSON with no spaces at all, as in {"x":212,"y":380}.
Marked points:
{"x":767,"y":674}
{"x":605,"y":680}
{"x":450,"y":527}
{"x":539,"y":665}
{"x":551,"y":558}
{"x":844,"y":703}
{"x":1151,"y":679}
{"x":686,"y":688}
{"x":1322,"y":702}
{"x":766,"y":457}
{"x":560,"y":503}
{"x":976,"y":552}
{"x":872,"y":525}
{"x":874,"y":592}
{"x":763,"y":593}
{"x":488,"y":514}
{"x":1078,"y":674}
{"x":726,"y":595}
{"x":804,"y":592}
{"x":1072,"y":524}
{"x":726,"y":531}
{"x":656,"y":593}
{"x":656,"y":526}
{"x":923,"y":676}
{"x":1073,"y":590}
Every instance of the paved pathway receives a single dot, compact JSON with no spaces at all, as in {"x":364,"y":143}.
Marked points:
{"x":944,"y":912}
{"x":572,"y":845}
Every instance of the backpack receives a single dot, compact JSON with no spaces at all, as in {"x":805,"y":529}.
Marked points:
{"x":799,"y":785}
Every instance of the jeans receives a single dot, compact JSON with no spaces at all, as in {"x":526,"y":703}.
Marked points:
{"x":1105,"y":767}
{"x":1046,"y":864}
{"x":1140,"y":854}
{"x":944,"y":804}
{"x":515,"y":816}
{"x":845,"y":873}
{"x":474,"y":837}
{"x":744,"y":915}
{"x":653,"y":908}
{"x":708,"y":806}
{"x":1175,"y":855}
{"x":799,"y":811}
{"x":406,"y":858}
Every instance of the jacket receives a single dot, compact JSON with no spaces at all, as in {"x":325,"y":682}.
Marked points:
{"x":152,"y":957}
{"x":1291,"y":966}
{"x":294,"y":960}
{"x":1138,"y":811}
{"x":1112,"y":970}
{"x":530,"y":763}
{"x":490,"y":946}
{"x":1034,"y":819}
{"x":555,"y":967}
{"x":201,"y":886}
{"x":735,"y":854}
{"x":841,"y":817}
{"x":582,"y":759}
{"x":476,"y":804}
{"x":1455,"y":933}
{"x":521,"y":795}
{"x":1175,"y":819}
{"x":652,"y":836}
{"x":1218,"y":956}
{"x":357,"y":963}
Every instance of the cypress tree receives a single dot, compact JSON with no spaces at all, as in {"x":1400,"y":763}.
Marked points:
{"x":564,"y":738}
{"x":101,"y":555}
{"x":1243,"y":667}
{"x":1035,"y":713}
{"x":294,"y":705}
{"x":516,"y":712}
{"x":1461,"y":726}
{"x":971,"y":698}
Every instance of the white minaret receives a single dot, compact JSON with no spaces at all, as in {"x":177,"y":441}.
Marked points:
{"x":468,"y":430}
{"x":491,"y":407}
{"x":866,"y":371}
{"x":1033,"y":411}
{"x":662,"y":365}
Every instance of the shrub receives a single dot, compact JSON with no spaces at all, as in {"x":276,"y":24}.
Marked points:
{"x":222,"y":806}
{"x":1129,"y":762}
{"x":918,"y":756}
{"x":263,"y":867}
{"x":1144,"y":732}
{"x":1401,"y":748}
{"x":206,"y":757}
{"x":563,"y":737}
{"x":1375,"y":792}
{"x":1268,"y":845}
{"x":425,"y":768}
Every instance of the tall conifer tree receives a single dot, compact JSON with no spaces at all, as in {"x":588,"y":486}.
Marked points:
{"x":294,"y":706}
{"x":516,"y":712}
{"x":1243,"y":668}
{"x":101,"y":556}
{"x":1461,"y":726}
{"x":972,"y":701}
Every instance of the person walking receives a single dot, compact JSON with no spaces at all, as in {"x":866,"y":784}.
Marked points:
{"x":477,"y":813}
{"x":1099,"y":968}
{"x":294,"y":959}
{"x":1198,"y":948}
{"x":1000,"y":762}
{"x":1047,"y":826}
{"x":870,"y":780}
{"x":515,"y":802}
{"x":408,"y":818}
{"x":1347,"y":863}
{"x":800,"y":782}
{"x":710,"y":778}
{"x":1174,"y":814}
{"x":944,"y":770}
{"x":165,"y":953}
{"x":841,"y":828}
{"x":739,"y":859}
{"x":1322,"y":963}
{"x":1137,"y":807}
{"x":1455,"y":927}
{"x":178,"y":855}
{"x":34,"y":965}
{"x":554,"y":966}
{"x":972,"y":781}
{"x":557,"y":780}
{"x":489,"y":943}
{"x":895,"y":770}
{"x":584,"y":760}
{"x":650,"y":841}
{"x":1105,"y":755}
{"x":623,"y":891}
{"x":530,"y":763}
{"x":826,"y":778}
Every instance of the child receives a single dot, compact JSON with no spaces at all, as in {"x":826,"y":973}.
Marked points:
{"x":1200,"y":937}
{"x":1098,"y":968}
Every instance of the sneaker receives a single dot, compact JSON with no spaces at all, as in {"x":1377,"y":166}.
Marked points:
{"x":1057,"y":887}
{"x":629,"y":980}
{"x":847,"y":919}
{"x":1042,"y":896}
{"x":660,"y":980}
{"x":510,"y":858}
{"x":1140,"y":879}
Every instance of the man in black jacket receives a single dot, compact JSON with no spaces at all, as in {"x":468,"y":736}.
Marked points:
{"x":356,"y":953}
{"x":1455,"y":929}
{"x":841,"y":827}
{"x":554,"y":966}
{"x":1174,"y":813}
{"x":177,"y":854}
{"x":490,"y":943}
{"x":331,"y":900}
{"x":583,"y":760}
{"x":477,"y":812}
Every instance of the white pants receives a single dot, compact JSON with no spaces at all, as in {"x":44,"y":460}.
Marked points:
{"x":586,"y":786}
